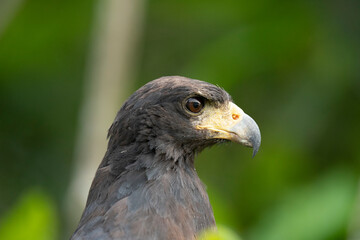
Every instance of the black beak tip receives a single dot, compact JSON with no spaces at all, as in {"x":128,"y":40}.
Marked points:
{"x":255,"y":150}
{"x":255,"y":142}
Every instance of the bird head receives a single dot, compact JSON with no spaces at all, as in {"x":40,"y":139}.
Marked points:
{"x":177,"y":115}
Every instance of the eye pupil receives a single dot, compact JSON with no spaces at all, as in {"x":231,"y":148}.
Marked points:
{"x":194,"y":105}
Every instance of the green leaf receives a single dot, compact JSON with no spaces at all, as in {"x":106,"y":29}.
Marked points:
{"x":32,"y":217}
{"x":222,"y":233}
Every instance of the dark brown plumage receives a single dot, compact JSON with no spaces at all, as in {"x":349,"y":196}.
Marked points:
{"x":146,"y":187}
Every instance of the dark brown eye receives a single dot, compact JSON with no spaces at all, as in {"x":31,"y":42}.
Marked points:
{"x":194,"y":104}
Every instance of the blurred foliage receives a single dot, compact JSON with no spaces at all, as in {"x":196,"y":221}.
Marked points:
{"x":33,"y":217}
{"x":42,"y":59}
{"x":320,"y":210}
{"x":221,"y":233}
{"x":292,"y":65}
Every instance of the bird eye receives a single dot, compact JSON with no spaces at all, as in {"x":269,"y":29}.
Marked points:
{"x":194,"y":104}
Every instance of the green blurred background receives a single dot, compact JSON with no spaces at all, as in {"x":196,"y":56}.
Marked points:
{"x":294,"y":66}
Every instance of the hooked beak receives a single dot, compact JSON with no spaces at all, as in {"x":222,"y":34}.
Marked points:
{"x":232,"y":124}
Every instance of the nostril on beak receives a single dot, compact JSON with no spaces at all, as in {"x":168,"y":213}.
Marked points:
{"x":235,"y":116}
